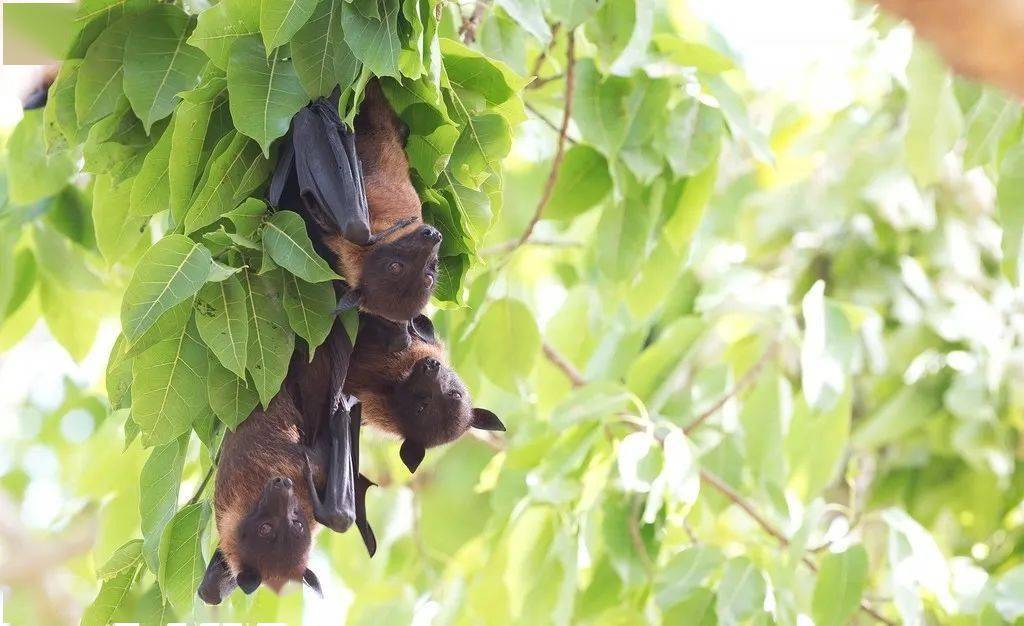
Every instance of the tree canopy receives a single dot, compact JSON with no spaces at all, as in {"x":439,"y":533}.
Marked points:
{"x":757,"y":357}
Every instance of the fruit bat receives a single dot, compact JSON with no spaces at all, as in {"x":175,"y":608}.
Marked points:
{"x":410,"y":391}
{"x":284,"y":470}
{"x":355,"y":193}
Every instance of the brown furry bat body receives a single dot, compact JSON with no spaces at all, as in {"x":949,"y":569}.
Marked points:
{"x":411,"y":393}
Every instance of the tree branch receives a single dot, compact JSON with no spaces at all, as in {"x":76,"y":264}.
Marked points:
{"x":563,"y":131}
{"x":563,"y":364}
{"x":749,"y":378}
{"x":721,"y":487}
{"x":983,"y":39}
{"x":507,"y":246}
{"x":540,"y":116}
{"x":543,"y":56}
{"x":467,"y":32}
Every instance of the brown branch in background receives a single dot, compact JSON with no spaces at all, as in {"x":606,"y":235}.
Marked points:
{"x":467,"y":32}
{"x":721,"y":487}
{"x":983,"y":39}
{"x":638,"y":541}
{"x":206,"y":479}
{"x":540,"y":116}
{"x":540,"y":82}
{"x":711,"y":479}
{"x":506,"y":246}
{"x":563,"y":364}
{"x":748,"y":379}
{"x":543,"y":56}
{"x":563,"y":131}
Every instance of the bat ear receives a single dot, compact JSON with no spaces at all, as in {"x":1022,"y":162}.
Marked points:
{"x":249,"y":579}
{"x":423,"y":327}
{"x":486,"y":420}
{"x":412,"y":455}
{"x":218,"y":581}
{"x":310,"y":579}
{"x":352,"y":299}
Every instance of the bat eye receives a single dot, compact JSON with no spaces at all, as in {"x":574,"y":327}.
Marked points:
{"x":395,"y":268}
{"x":455,"y":394}
{"x":265,"y":529}
{"x":297,"y":525}
{"x":421,"y":407}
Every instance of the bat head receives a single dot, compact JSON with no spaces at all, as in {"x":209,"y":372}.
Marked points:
{"x":268,"y":546}
{"x":399,"y":276}
{"x":434,"y":407}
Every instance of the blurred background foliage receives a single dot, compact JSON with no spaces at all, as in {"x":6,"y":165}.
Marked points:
{"x":757,"y":358}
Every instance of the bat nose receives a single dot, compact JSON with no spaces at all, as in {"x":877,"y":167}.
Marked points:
{"x":283,"y":482}
{"x":432,"y":364}
{"x":430,"y":233}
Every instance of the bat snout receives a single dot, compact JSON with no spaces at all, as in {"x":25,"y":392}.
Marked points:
{"x":430,"y":234}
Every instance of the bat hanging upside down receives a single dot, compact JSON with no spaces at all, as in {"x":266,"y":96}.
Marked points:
{"x":357,"y":198}
{"x":285,"y":469}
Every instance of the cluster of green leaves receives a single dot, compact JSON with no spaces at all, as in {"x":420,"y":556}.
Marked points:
{"x":753,"y":374}
{"x":174,"y":116}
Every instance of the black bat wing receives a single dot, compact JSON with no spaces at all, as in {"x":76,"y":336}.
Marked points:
{"x":329,"y":176}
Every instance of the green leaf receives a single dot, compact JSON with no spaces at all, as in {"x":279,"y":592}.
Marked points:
{"x":181,"y":556}
{"x":100,"y":77}
{"x":505,"y":362}
{"x":582,"y":183}
{"x":740,"y":592}
{"x":118,"y":231}
{"x":484,"y":141}
{"x":169,"y":386}
{"x":221,"y":25}
{"x":231,"y":398}
{"x":33,"y":175}
{"x":247,"y":217}
{"x":699,"y":56}
{"x":685,"y":572}
{"x":124,"y":558}
{"x":901,"y":414}
{"x":828,"y":349}
{"x":611,"y":28}
{"x":170,"y":272}
{"x":740,"y":125}
{"x":170,"y":324}
{"x":322,"y":58}
{"x":572,"y":13}
{"x":230,"y":178}
{"x":651,"y":370}
{"x":373,"y":41}
{"x":530,"y":15}
{"x":73,"y":327}
{"x":159,"y":484}
{"x":842,"y":579}
{"x":119,"y":375}
{"x":150,"y":193}
{"x":286,"y":241}
{"x":271,"y":342}
{"x":990,"y":119}
{"x":1010,"y":201}
{"x":934,"y":120}
{"x":222,"y":323}
{"x":765,"y":413}
{"x":264,"y":91}
{"x":815,"y":444}
{"x":696,"y":609}
{"x":281,"y":19}
{"x":600,"y":107}
{"x":158,"y":64}
{"x":63,"y":261}
{"x":693,"y":137}
{"x":127,"y":561}
{"x":60,"y":122}
{"x":188,"y":136}
{"x":310,"y":309}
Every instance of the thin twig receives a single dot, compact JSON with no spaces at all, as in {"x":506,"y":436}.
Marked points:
{"x":505,"y":246}
{"x":563,"y":364}
{"x":543,"y":56}
{"x":540,"y":82}
{"x":721,"y":487}
{"x":540,"y":116}
{"x":638,"y":541}
{"x":556,"y":164}
{"x":206,"y":479}
{"x":469,"y":25}
{"x":749,"y":378}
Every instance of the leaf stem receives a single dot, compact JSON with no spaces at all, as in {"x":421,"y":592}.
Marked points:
{"x":563,"y":364}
